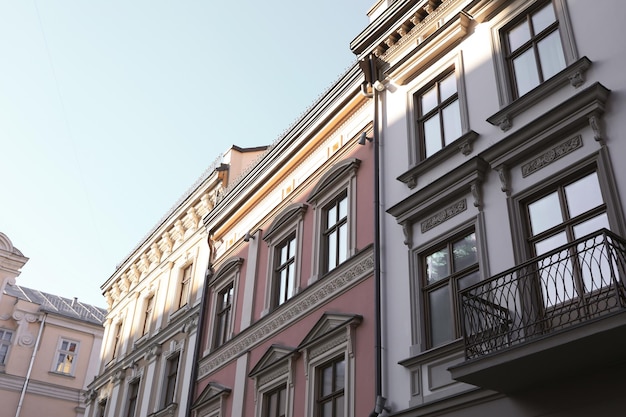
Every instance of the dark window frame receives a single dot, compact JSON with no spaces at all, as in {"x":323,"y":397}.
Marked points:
{"x":284,"y":272}
{"x":268,"y":398}
{"x":170,"y":379}
{"x":335,"y":393}
{"x":421,"y":117}
{"x":223,"y":314}
{"x":334,"y":230}
{"x":535,"y":38}
{"x":133,"y":396}
{"x":451,"y":280}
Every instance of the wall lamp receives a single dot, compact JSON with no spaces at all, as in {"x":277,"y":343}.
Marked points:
{"x":247,"y":237}
{"x":363,"y":139}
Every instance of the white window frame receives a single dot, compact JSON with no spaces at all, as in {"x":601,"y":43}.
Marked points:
{"x":342,"y":177}
{"x":59,"y":351}
{"x":182,"y":287}
{"x":288,"y":222}
{"x":322,"y":345}
{"x":228,"y":273}
{"x":274,"y":369}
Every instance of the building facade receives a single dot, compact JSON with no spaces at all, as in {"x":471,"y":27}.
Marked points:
{"x":147,"y":358}
{"x":49,"y":346}
{"x":289,"y":318}
{"x":500,"y":126}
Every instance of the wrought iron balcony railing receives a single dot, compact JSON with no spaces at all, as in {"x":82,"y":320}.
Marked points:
{"x":569,"y":286}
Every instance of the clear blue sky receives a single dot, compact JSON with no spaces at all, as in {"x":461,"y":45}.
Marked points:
{"x":110,"y":110}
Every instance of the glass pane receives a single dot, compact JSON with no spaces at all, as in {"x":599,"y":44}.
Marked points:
{"x":340,"y":375}
{"x":464,"y":252}
{"x":519,"y":35}
{"x":526,"y":74}
{"x":281,"y":402}
{"x":451,"y":122}
{"x":583,"y":195}
{"x":447,"y":86}
{"x":339,"y":407}
{"x":555,"y":272}
{"x":551,"y":55}
{"x":594,"y":264}
{"x":440,"y":316}
{"x":545,"y":213}
{"x":327,"y":409}
{"x":437,"y":266}
{"x":429,"y":100}
{"x":290,"y":283}
{"x":468,"y":280}
{"x":343,"y":242}
{"x":331,"y":218}
{"x":432,"y":135}
{"x":273,"y":404}
{"x":543,"y":18}
{"x":327,"y":380}
{"x":332,"y":251}
{"x":292,"y":247}
{"x":343,"y":208}
{"x":283,"y":255}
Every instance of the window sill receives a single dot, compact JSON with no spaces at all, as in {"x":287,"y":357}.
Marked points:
{"x":463,"y":144}
{"x":61,"y":374}
{"x":181,"y":311}
{"x":167,"y":411}
{"x":574,"y":74}
{"x":433,"y":353}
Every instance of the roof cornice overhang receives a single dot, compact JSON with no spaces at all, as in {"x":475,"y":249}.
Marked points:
{"x":335,"y":105}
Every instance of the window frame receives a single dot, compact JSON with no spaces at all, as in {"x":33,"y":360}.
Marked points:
{"x":5,"y":343}
{"x":117,"y":339}
{"x":320,"y":398}
{"x":506,"y":20}
{"x":288,"y":223}
{"x":185,"y":283}
{"x":419,"y":117}
{"x":171,"y":375}
{"x":148,"y":312}
{"x":60,"y":351}
{"x":132,"y":397}
{"x":274,"y":369}
{"x":450,"y":281}
{"x":226,"y":276}
{"x":338,"y":179}
{"x":332,"y":337}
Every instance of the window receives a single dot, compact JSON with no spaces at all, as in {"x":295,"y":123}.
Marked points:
{"x":330,"y":361}
{"x":274,"y":402}
{"x":284,"y":239}
{"x":117,"y":338}
{"x":284,"y":274}
{"x":335,"y":233}
{"x":534,"y":48}
{"x":566,"y":213}
{"x":171,"y":373}
{"x":5,"y":343}
{"x":66,"y":357}
{"x":133,"y":394}
{"x":223,"y":315}
{"x":223,"y":285}
{"x":147,"y":316}
{"x":102,"y":408}
{"x":185,"y":284}
{"x":331,"y":379}
{"x":334,"y":199}
{"x":447,"y":269}
{"x":439,"y":114}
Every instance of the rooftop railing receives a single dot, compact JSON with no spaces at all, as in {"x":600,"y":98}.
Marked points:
{"x":566,"y":287}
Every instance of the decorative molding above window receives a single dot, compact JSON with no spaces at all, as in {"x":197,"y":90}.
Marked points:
{"x":573,"y":74}
{"x":462,"y":144}
{"x":430,"y":49}
{"x":554,"y":153}
{"x":211,"y":401}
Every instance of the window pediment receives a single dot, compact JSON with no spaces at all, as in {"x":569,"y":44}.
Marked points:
{"x":229,"y":266}
{"x":327,"y":326}
{"x":288,"y":215}
{"x":213,"y":393}
{"x":333,"y":175}
{"x":272,"y":357}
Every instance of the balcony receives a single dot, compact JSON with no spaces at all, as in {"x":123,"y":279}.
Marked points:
{"x":557,"y":315}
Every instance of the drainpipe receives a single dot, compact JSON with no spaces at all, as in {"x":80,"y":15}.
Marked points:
{"x":369,"y":68}
{"x":202,"y":311}
{"x":30,"y":367}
